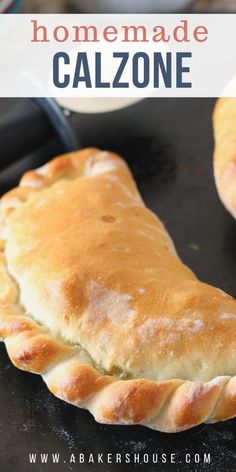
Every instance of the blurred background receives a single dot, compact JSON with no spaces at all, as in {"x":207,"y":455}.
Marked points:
{"x":116,"y":6}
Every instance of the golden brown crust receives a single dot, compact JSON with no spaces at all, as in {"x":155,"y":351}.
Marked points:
{"x":159,"y":316}
{"x":224,"y":122}
{"x":36,"y":353}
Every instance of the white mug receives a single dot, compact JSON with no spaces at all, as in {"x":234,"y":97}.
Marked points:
{"x":130,"y":6}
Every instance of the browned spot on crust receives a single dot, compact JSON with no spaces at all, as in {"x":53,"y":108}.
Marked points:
{"x":129,"y":398}
{"x":58,"y":166}
{"x":226,"y":407}
{"x":79,"y":384}
{"x":15,"y":325}
{"x":192,"y":406}
{"x":37,"y":353}
{"x":108,"y":219}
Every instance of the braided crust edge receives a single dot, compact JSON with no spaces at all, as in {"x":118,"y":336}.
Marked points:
{"x":70,"y":374}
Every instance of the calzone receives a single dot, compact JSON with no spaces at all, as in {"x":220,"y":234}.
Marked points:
{"x":224,"y":122}
{"x":94,"y":298}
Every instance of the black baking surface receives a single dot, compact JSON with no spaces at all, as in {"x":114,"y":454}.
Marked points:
{"x":169,"y":144}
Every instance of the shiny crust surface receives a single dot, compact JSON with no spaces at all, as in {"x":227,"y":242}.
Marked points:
{"x":95,"y":299}
{"x":224,"y":122}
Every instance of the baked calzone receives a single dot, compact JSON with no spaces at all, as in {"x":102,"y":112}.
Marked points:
{"x":224,"y":121}
{"x":95,"y":299}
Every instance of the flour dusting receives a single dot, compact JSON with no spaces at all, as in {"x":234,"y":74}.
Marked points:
{"x":141,"y":291}
{"x":152,"y":326}
{"x":157,"y":229}
{"x":199,"y":388}
{"x":183,"y":324}
{"x":147,"y":235}
{"x":104,"y":303}
{"x":41,"y":203}
{"x":227,"y":316}
{"x":132,"y":196}
{"x":102,"y":167}
{"x":61,"y":191}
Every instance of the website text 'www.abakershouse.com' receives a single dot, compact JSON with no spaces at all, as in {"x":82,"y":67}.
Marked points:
{"x":118,"y":458}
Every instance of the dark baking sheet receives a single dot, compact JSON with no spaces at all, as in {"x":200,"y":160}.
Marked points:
{"x":168,"y":143}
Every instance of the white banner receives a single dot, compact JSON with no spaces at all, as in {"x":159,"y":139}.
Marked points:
{"x":117,"y":55}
